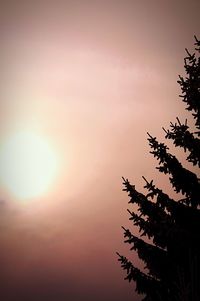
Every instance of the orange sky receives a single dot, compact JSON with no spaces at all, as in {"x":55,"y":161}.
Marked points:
{"x":92,"y":77}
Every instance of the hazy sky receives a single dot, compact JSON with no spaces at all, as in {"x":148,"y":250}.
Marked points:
{"x":92,"y":77}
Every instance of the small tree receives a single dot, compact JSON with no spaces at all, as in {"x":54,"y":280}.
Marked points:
{"x":173,"y":227}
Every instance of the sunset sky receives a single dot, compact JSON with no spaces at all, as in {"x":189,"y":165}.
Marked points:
{"x":86,"y":80}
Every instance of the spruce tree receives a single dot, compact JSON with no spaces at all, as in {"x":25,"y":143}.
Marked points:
{"x":171,"y":228}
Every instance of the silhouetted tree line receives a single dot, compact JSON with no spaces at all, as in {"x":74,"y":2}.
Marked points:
{"x":172,"y":259}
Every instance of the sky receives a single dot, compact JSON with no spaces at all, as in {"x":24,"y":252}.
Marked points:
{"x":91,"y":77}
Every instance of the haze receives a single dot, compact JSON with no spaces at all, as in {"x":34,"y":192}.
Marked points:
{"x":92,"y":77}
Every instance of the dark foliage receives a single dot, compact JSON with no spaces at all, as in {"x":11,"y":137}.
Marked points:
{"x":172,"y":259}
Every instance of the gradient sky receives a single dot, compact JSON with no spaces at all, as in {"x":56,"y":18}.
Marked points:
{"x":92,"y":77}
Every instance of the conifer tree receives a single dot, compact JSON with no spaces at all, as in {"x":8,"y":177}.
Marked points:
{"x":171,"y":250}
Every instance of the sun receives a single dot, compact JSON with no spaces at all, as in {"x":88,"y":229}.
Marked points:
{"x":28,"y":164}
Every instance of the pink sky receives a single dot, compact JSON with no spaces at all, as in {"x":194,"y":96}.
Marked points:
{"x":92,"y":77}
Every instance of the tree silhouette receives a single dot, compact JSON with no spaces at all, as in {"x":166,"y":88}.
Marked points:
{"x":171,"y":250}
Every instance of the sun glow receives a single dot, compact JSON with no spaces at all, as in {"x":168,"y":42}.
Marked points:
{"x":28,"y":164}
